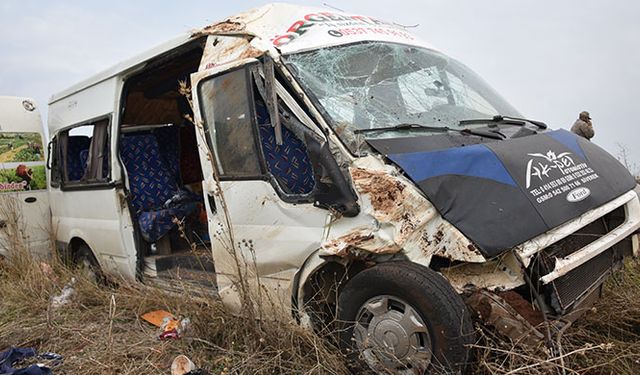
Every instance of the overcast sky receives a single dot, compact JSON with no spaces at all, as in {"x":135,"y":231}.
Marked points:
{"x":550,"y":59}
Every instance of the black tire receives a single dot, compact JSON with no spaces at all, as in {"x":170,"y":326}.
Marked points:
{"x":85,"y":261}
{"x":449,"y":327}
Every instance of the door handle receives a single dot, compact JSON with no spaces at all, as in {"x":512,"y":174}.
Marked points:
{"x":212,"y":202}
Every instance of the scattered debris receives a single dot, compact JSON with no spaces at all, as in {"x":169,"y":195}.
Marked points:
{"x":65,"y":296}
{"x":15,"y":356}
{"x":156,"y":317}
{"x":182,"y":365}
{"x":170,"y":326}
{"x":48,"y":271}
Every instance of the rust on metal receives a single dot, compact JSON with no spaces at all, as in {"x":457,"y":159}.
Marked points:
{"x":523,"y":307}
{"x":224,"y":27}
{"x":251,"y":52}
{"x":393,"y":201}
{"x":496,"y":312}
{"x":224,"y":49}
{"x":363,"y":239}
{"x":496,"y":275}
{"x":404,"y":220}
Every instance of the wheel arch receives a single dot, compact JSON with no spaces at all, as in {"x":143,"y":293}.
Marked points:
{"x":74,"y":246}
{"x":319,"y":276}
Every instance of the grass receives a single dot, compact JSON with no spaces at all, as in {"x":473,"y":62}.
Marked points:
{"x":606,"y":340}
{"x":100,"y":332}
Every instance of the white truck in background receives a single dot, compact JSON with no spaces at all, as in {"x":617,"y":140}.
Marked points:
{"x":23,"y":177}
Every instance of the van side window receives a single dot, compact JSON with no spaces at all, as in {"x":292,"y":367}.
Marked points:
{"x":83,"y":154}
{"x":227,"y":109}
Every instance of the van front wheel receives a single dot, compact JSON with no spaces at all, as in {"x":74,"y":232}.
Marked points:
{"x":403,"y":318}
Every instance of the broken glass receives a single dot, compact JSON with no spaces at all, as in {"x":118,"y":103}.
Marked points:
{"x":379,"y":84}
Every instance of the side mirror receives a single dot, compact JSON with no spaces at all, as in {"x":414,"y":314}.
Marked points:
{"x":332,"y":189}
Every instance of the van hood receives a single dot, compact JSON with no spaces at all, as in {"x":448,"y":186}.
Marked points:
{"x":503,"y":193}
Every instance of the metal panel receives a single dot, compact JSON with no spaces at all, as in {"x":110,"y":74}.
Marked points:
{"x":96,"y":101}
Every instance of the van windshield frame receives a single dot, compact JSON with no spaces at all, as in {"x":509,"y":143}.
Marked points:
{"x":369,"y":85}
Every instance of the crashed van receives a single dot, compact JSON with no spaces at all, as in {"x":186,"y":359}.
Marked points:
{"x":372,"y":182}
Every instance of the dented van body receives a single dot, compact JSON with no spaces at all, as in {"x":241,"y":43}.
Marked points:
{"x":328,"y":144}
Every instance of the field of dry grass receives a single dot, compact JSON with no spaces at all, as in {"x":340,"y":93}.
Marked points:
{"x":100,"y":332}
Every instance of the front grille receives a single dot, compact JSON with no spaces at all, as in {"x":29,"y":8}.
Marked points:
{"x":568,"y":289}
{"x":565,"y":292}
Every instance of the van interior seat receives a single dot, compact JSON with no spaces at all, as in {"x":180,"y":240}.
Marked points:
{"x":84,"y":156}
{"x":168,"y":138}
{"x":154,"y":184}
{"x":289,"y":162}
{"x":76,"y":146}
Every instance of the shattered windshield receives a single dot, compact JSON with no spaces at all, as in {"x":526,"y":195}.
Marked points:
{"x":380,"y":84}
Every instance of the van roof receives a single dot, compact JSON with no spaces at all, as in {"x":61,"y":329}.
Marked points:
{"x":285,"y":27}
{"x":123,"y":66}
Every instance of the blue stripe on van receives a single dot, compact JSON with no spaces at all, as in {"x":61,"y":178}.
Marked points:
{"x":475,"y":160}
{"x":568,"y":139}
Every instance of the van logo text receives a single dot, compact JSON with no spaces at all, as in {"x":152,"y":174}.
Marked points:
{"x":578,"y":194}
{"x":554,"y":175}
{"x":541,"y":165}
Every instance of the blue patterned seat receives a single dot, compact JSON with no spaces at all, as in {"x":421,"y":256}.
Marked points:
{"x":288,"y":162}
{"x":152,"y":184}
{"x":168,"y":138}
{"x":84,"y":156}
{"x":77,"y":145}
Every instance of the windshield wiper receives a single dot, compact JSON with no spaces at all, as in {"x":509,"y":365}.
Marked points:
{"x":539,"y":124}
{"x":492,"y":135}
{"x":405,"y":126}
{"x":501,"y":119}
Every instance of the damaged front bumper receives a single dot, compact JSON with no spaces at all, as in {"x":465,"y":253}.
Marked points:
{"x":566,"y":264}
{"x":562,"y":270}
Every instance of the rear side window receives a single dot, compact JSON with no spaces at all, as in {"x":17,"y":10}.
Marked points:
{"x":82,"y":154}
{"x":228,"y":112}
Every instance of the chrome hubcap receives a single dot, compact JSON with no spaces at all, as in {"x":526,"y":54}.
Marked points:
{"x":391,"y":335}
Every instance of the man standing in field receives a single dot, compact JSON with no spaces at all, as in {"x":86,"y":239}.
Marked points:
{"x":583,"y":126}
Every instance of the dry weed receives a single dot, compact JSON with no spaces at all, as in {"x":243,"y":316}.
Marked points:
{"x":99,"y":331}
{"x":604,"y":341}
